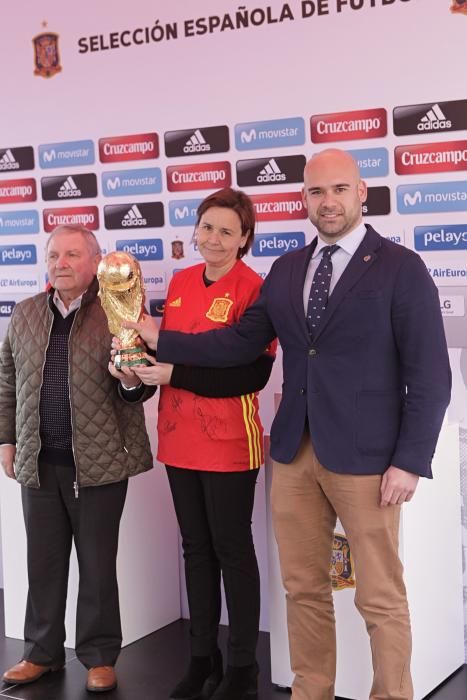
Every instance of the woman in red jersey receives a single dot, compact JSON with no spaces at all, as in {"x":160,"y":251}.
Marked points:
{"x":210,"y":438}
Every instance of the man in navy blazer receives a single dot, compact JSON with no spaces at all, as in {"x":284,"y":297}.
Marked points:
{"x":364,"y":395}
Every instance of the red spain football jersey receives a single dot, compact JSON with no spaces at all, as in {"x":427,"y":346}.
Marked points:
{"x":196,"y":432}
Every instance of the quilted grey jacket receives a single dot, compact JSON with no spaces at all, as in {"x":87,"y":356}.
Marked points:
{"x":110,"y":442}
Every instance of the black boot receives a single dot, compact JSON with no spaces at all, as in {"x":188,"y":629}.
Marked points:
{"x":201,"y":680}
{"x":240,"y":683}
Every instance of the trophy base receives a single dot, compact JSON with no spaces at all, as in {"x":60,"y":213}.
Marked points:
{"x":129,"y":357}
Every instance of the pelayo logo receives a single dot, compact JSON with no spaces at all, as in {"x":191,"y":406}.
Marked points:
{"x":18,"y":255}
{"x":275,"y":244}
{"x":143,"y":249}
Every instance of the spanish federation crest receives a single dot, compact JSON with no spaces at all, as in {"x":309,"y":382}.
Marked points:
{"x":342,"y":566}
{"x":46,"y":55}
{"x":459,"y":6}
{"x":219,"y":309}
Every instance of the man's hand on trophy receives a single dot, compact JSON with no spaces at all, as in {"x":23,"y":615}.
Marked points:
{"x":157,"y":372}
{"x":125,"y":374}
{"x":147,"y":329}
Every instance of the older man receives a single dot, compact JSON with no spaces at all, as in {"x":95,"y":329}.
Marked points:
{"x":366,"y":385}
{"x":71,"y":435}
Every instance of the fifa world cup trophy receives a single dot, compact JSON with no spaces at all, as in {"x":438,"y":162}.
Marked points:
{"x":121,"y":293}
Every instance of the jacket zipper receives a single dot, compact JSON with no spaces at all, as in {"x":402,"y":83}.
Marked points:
{"x":76,"y":481}
{"x":49,"y":311}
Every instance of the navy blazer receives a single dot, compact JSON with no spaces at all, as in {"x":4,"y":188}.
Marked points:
{"x":375,"y":381}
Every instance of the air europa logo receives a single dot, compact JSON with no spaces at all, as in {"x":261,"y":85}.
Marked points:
{"x":431,"y":157}
{"x":197,"y":141}
{"x":345,"y":126}
{"x":130,"y":147}
{"x":199,"y":176}
{"x":20,"y":281}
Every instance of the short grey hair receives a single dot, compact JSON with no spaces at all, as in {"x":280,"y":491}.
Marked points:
{"x":90,"y":239}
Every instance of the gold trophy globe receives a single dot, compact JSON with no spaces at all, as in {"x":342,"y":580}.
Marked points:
{"x":121,"y":293}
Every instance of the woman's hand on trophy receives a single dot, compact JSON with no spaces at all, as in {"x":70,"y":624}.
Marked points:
{"x":147,"y":329}
{"x":156,"y":373}
{"x":125,"y":375}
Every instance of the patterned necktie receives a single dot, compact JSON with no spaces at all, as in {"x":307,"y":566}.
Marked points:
{"x":319,"y":291}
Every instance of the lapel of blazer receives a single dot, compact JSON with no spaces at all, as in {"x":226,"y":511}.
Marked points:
{"x":361,"y":261}
{"x":297,"y":282}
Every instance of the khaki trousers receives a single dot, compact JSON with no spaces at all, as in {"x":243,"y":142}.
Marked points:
{"x":305,"y":501}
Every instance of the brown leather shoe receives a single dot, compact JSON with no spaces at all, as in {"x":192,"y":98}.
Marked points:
{"x":101,"y":678}
{"x":26,"y":672}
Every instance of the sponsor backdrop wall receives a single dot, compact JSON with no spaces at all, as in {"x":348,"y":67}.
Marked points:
{"x":124,"y":116}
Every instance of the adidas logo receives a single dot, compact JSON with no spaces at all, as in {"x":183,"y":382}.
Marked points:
{"x":196,"y":143}
{"x":133,"y":217}
{"x":69,"y":189}
{"x":271,"y":173}
{"x":176,"y":302}
{"x":8,"y":162}
{"x":434,"y":120}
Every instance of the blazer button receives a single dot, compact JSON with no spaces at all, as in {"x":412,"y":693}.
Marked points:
{"x":302,"y":391}
{"x":312,"y":352}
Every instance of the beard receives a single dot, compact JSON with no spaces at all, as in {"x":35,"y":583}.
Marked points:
{"x":338,"y":225}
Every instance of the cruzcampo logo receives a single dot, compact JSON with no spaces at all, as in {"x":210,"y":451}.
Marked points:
{"x":459,"y":6}
{"x":46,"y":54}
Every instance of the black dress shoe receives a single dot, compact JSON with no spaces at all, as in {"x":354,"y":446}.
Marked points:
{"x":201,"y":680}
{"x":239,"y":683}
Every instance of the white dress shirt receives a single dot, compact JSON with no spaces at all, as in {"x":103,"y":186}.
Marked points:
{"x":75,"y":304}
{"x":348,"y":244}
